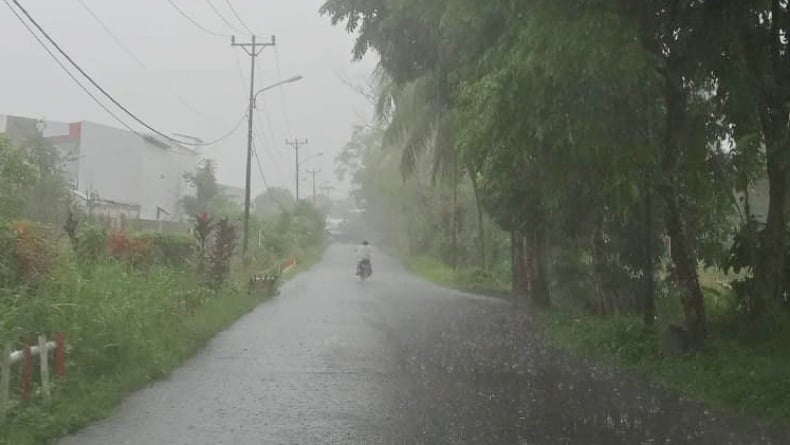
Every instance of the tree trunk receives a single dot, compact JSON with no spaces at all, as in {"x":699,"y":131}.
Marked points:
{"x":768,"y":67}
{"x":481,"y":234}
{"x":454,"y":222}
{"x":648,"y":270}
{"x":769,"y":270}
{"x":682,"y":251}
{"x":518,"y":265}
{"x":537,"y":267}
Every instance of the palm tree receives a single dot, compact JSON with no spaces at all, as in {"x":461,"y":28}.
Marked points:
{"x":417,"y":120}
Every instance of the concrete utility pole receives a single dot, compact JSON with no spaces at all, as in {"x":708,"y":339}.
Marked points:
{"x":296,"y":144}
{"x":252,"y":48}
{"x":313,"y":172}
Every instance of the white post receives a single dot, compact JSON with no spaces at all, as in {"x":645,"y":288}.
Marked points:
{"x":44,"y":361}
{"x":5,"y":379}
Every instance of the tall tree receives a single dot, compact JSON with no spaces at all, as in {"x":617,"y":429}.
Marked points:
{"x":204,"y":182}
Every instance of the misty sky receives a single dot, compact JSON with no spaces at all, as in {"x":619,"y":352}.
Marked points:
{"x":191,"y":82}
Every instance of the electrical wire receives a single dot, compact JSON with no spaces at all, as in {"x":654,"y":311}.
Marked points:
{"x":260,"y":169}
{"x":282,"y":93}
{"x":222,"y":17}
{"x":241,"y":74}
{"x":99,"y":87}
{"x":132,"y":55}
{"x":194,"y":22}
{"x":258,"y":161}
{"x":67,"y":71}
{"x":238,"y":17}
{"x":264,"y":141}
{"x":226,"y":135}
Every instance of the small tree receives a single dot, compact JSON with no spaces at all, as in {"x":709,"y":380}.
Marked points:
{"x":222,"y":252}
{"x":206,"y":189}
{"x":202,"y":227}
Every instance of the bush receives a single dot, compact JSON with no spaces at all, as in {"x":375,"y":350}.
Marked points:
{"x":90,"y":244}
{"x":26,"y":258}
{"x":135,"y":250}
{"x":175,"y":250}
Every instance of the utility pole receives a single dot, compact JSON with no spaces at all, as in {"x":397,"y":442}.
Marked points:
{"x":314,"y":172}
{"x":326,"y":190}
{"x":296,"y":144}
{"x":252,"y":49}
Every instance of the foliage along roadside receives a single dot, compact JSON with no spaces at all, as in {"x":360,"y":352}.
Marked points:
{"x":597,"y":134}
{"x":130,"y":307}
{"x":737,"y":371}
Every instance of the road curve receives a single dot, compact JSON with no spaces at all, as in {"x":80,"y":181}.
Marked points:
{"x":397,"y":360}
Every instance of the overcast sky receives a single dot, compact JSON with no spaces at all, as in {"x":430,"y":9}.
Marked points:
{"x":189,"y":81}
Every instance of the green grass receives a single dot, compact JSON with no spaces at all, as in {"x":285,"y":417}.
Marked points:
{"x":738,"y":372}
{"x":126,"y":329}
{"x":741,"y":369}
{"x":467,"y":279}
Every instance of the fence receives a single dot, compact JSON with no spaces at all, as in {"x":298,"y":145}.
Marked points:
{"x":25,"y":356}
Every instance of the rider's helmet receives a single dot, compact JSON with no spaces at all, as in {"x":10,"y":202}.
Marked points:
{"x":364,"y":243}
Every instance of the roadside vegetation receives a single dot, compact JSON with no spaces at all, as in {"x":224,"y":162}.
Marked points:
{"x":622,"y":165}
{"x":132,"y":305}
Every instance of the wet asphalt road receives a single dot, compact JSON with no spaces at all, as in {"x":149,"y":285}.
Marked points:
{"x":397,"y":360}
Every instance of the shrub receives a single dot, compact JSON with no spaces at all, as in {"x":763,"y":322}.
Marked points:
{"x":222,"y":252}
{"x":32,"y":257}
{"x":174,"y":250}
{"x":91,"y":243}
{"x":136,"y":251}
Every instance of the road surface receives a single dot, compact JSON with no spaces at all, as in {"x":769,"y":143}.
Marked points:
{"x":397,"y":360}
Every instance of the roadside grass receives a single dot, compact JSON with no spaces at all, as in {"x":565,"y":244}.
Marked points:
{"x":465,"y":279}
{"x":742,"y":368}
{"x":744,"y":373}
{"x":126,"y":328}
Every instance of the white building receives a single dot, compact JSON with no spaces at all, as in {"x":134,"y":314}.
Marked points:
{"x":117,"y":165}
{"x":233,"y":193}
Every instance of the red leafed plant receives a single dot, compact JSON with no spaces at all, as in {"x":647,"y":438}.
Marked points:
{"x":136,"y":251}
{"x":32,"y":255}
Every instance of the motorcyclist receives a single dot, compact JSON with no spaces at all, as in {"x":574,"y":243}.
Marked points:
{"x":363,"y":256}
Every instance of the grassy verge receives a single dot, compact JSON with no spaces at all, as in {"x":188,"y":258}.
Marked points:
{"x":126,"y":328}
{"x":465,"y":279}
{"x":745,"y":373}
{"x":741,"y":369}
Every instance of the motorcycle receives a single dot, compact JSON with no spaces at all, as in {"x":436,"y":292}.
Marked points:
{"x":364,"y":270}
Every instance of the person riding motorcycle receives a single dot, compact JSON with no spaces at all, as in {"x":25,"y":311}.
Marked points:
{"x":363,"y":257}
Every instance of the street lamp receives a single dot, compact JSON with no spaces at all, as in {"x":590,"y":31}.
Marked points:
{"x":293,"y":79}
{"x":253,"y":98}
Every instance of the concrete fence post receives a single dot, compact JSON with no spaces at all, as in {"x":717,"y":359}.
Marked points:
{"x":5,"y":380}
{"x":43,"y":359}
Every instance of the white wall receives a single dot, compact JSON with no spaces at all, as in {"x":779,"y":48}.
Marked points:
{"x":122,"y":166}
{"x":110,"y":163}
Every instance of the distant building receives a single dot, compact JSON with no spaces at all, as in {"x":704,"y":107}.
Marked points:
{"x":235,"y":194}
{"x":139,"y":174}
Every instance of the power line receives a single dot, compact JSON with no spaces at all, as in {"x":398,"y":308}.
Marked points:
{"x":226,"y":135}
{"x":264,"y":141}
{"x":238,"y":17}
{"x":241,"y":73}
{"x":258,"y":161}
{"x":66,"y":70}
{"x":111,"y":33}
{"x":260,"y":169}
{"x":96,"y":84}
{"x":131,"y":54}
{"x":222,"y":17}
{"x":194,"y":22}
{"x":282,"y":93}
